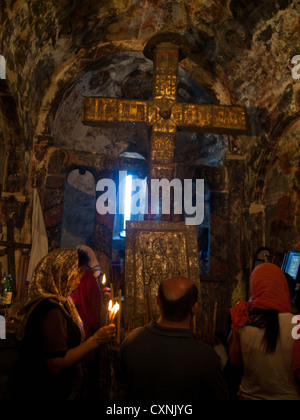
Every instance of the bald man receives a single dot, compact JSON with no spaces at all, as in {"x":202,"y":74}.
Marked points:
{"x":163,"y":361}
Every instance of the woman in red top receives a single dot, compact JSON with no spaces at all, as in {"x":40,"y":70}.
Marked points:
{"x":88,"y":296}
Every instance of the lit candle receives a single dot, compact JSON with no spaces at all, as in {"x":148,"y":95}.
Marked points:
{"x":110,"y":305}
{"x":104,"y":280}
{"x":103,"y":316}
{"x":107,"y":318}
{"x":112,"y":311}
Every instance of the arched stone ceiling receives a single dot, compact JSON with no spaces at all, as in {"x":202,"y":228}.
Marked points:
{"x":241,"y":51}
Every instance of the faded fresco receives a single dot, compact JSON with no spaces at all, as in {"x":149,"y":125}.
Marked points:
{"x":283,"y":195}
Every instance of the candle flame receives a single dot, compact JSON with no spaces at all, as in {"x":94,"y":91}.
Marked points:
{"x":113,"y":310}
{"x":104,"y":280}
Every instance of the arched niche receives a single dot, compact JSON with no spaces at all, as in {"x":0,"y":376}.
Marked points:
{"x":79,"y":209}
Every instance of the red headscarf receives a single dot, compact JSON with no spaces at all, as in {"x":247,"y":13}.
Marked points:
{"x":269,"y":291}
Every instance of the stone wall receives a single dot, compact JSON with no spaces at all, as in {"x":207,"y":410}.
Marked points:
{"x":282,"y":194}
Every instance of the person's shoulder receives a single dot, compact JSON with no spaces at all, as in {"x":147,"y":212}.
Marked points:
{"x":55,"y":318}
{"x":206,"y":359}
{"x":286,"y":321}
{"x":204,"y":350}
{"x":53,"y":309}
{"x":286,"y":316}
{"x":135,"y":335}
{"x":43,"y":308}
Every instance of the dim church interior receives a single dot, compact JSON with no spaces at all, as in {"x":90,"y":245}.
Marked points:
{"x":59,"y":52}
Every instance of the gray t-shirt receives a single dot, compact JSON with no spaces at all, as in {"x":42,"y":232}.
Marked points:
{"x":167,"y":364}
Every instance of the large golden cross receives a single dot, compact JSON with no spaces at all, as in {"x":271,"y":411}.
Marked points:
{"x":164,"y":114}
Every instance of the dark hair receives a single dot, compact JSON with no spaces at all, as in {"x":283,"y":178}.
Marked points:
{"x":83,"y":257}
{"x":269,"y":320}
{"x":177,"y":310}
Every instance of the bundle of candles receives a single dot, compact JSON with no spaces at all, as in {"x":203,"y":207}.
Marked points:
{"x":114,"y":309}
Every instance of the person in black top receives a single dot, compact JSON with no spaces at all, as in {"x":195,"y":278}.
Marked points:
{"x":163,"y":361}
{"x":51,"y":331}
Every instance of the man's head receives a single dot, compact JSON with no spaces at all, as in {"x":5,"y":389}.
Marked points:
{"x":177,"y":299}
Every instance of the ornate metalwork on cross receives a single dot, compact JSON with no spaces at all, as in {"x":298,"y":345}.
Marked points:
{"x":164,"y":114}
